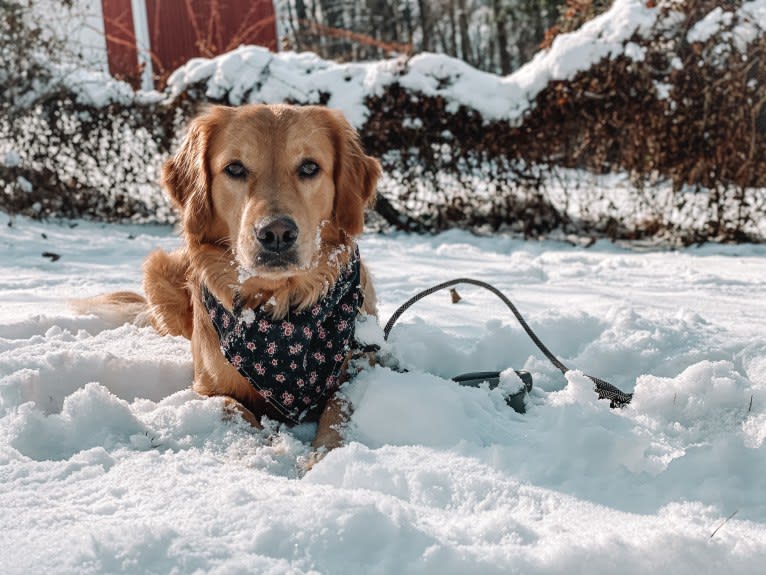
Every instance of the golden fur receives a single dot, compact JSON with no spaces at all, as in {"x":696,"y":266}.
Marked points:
{"x":219,"y":216}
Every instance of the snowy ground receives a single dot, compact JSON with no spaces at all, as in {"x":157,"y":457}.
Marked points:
{"x":109,"y":464}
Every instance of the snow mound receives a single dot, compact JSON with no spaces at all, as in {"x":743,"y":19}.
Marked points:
{"x":111,"y":464}
{"x":252,"y":74}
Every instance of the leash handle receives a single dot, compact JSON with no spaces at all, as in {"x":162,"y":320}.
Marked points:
{"x":604,"y":389}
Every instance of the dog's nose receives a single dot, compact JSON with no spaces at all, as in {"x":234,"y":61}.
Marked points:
{"x":277,"y":234}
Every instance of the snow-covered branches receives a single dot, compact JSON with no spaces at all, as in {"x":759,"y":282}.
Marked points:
{"x":650,"y":119}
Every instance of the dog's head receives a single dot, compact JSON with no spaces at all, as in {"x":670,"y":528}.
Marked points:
{"x":274,"y":184}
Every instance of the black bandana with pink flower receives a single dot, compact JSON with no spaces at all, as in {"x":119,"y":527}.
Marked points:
{"x":295,"y":363}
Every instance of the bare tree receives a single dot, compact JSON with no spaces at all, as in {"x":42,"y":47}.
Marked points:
{"x":425,"y":25}
{"x":502,"y":37}
{"x":466,"y":51}
{"x":493,"y":35}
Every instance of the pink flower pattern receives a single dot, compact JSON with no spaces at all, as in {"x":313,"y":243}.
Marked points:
{"x":295,"y":348}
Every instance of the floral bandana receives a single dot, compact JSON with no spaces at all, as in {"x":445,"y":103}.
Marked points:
{"x":295,"y":363}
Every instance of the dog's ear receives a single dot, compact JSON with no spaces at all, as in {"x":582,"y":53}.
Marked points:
{"x":186,"y":176}
{"x":356,"y":176}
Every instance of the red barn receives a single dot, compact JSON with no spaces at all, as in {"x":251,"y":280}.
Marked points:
{"x":147,"y":39}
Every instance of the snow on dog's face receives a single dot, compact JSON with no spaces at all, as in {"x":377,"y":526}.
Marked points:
{"x":274,"y":184}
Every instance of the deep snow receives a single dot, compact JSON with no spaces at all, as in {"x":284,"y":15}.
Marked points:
{"x":110,"y":464}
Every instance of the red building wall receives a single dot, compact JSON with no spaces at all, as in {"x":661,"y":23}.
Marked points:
{"x":183,"y":29}
{"x":120,"y":39}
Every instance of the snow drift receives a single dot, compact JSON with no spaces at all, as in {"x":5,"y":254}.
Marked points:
{"x":110,"y":464}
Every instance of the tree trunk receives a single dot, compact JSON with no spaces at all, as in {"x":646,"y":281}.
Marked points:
{"x":425,"y":25}
{"x":332,"y":13}
{"x":299,"y":31}
{"x":382,"y":20}
{"x":452,"y":50}
{"x":407,"y":22}
{"x":502,"y":37}
{"x":465,"y":39}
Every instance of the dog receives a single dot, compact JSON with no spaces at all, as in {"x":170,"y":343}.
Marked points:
{"x":268,"y":282}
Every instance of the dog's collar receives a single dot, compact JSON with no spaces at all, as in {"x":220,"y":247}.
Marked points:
{"x":296,"y":362}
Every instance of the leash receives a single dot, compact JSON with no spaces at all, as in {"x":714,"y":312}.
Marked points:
{"x":604,"y":389}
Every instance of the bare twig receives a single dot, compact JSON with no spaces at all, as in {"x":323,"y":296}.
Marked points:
{"x":364,"y":39}
{"x":724,"y":522}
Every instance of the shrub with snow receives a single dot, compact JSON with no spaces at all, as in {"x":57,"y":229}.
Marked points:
{"x":669,"y":93}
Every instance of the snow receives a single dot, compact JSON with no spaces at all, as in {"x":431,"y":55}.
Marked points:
{"x":710,"y":25}
{"x":744,"y":25}
{"x":12,"y":159}
{"x":750,"y":18}
{"x":109,"y":463}
{"x":253,"y":74}
{"x":79,"y":24}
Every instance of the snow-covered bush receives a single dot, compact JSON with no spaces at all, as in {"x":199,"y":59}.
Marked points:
{"x":73,"y":142}
{"x":684,"y":102}
{"x":73,"y":160}
{"x":671,"y":94}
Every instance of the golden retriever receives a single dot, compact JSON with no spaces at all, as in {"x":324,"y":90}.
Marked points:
{"x":271,"y":199}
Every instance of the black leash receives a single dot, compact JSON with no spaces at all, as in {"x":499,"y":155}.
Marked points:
{"x":604,"y":389}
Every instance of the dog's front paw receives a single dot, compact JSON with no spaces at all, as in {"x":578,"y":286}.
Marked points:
{"x":323,"y":443}
{"x":233,"y":408}
{"x":307,"y":463}
{"x":327,"y":439}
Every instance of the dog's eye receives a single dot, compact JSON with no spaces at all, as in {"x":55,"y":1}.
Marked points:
{"x":308,"y":169}
{"x":236,"y":170}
